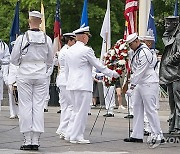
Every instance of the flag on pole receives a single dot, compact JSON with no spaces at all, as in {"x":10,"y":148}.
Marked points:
{"x":57,"y":29}
{"x":42,"y":26}
{"x":106,"y":32}
{"x":130,"y":15}
{"x":15,"y":26}
{"x":84,"y":17}
{"x":176,"y":8}
{"x":151,"y":28}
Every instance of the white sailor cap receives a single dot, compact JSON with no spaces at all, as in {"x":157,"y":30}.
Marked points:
{"x":36,"y":14}
{"x":141,"y":38}
{"x":149,"y":38}
{"x":69,"y":35}
{"x":131,"y":38}
{"x":84,"y":30}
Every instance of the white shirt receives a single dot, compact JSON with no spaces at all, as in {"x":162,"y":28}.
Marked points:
{"x":143,"y":66}
{"x":12,"y":73}
{"x":78,"y":67}
{"x":35,"y":59}
{"x":61,"y":79}
{"x":4,"y":53}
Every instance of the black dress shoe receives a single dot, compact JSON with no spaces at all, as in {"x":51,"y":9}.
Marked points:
{"x":35,"y":147}
{"x":25,"y":147}
{"x":146,"y":133}
{"x":89,"y":113}
{"x":59,"y":111}
{"x":131,"y":139}
{"x":108,"y":115}
{"x":163,"y":141}
{"x":129,"y":116}
{"x":45,"y":110}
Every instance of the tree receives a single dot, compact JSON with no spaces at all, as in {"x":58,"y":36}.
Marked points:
{"x":70,"y":13}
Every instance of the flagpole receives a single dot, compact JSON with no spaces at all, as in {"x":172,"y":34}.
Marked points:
{"x":106,"y":42}
{"x":144,"y":7}
{"x":106,"y":32}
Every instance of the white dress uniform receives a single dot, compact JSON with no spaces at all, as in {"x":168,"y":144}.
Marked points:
{"x":13,"y":107}
{"x":33,"y":54}
{"x":4,"y":60}
{"x":145,"y":95}
{"x":49,"y":73}
{"x":65,"y":100}
{"x":78,"y":66}
{"x":147,"y":127}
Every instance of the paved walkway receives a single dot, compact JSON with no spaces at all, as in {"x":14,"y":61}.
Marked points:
{"x":110,"y":142}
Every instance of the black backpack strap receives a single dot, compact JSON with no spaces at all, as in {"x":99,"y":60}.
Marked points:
{"x":156,"y":64}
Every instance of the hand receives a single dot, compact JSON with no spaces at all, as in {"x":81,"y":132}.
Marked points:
{"x":129,"y":92}
{"x":115,"y":74}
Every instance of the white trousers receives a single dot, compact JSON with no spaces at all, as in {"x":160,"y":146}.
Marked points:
{"x":13,"y":108}
{"x":109,"y":95}
{"x":1,"y":89}
{"x":47,"y":94}
{"x":31,"y":104}
{"x":66,"y":110}
{"x":145,"y":97}
{"x":81,"y":106}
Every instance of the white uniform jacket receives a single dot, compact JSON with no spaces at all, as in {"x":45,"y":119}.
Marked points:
{"x":12,"y":74}
{"x":78,"y":67}
{"x":142,"y":64}
{"x":4,"y":53}
{"x":33,"y":54}
{"x":61,"y":79}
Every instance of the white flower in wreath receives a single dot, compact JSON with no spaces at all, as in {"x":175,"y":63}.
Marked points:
{"x":112,"y":52}
{"x":105,"y":55}
{"x":122,"y":46}
{"x":122,"y":62}
{"x":124,"y":54}
{"x":119,"y":41}
{"x":117,"y":50}
{"x":109,"y":78}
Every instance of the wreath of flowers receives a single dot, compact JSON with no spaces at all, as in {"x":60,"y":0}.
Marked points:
{"x":115,"y":59}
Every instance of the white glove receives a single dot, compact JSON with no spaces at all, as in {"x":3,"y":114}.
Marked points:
{"x":115,"y":74}
{"x":129,"y":92}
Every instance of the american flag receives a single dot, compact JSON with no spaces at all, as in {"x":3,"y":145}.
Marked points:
{"x":57,"y":28}
{"x":130,"y":15}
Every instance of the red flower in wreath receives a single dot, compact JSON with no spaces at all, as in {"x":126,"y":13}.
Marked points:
{"x":115,"y":59}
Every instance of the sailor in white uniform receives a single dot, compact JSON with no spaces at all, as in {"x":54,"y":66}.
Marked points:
{"x":79,"y":62}
{"x":149,"y":41}
{"x":69,"y":39}
{"x":33,"y":54}
{"x":145,"y":79}
{"x":13,"y":97}
{"x":4,"y":60}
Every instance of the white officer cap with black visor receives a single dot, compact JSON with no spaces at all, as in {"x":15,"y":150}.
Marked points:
{"x":72,"y":35}
{"x":84,"y":30}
